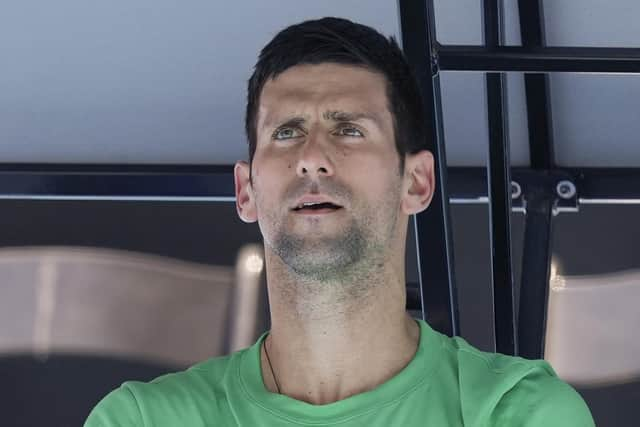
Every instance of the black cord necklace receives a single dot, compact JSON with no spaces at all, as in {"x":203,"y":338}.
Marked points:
{"x":264,"y":344}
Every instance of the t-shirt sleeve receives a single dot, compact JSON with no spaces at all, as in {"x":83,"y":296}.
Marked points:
{"x":542,"y":400}
{"x":117,"y":409}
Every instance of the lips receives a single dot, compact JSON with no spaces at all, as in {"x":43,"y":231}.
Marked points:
{"x":321,"y":209}
{"x":317,"y":212}
{"x":315,"y":199}
{"x":318,"y":207}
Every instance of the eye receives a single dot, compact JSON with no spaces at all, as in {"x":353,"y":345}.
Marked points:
{"x":350,"y":131}
{"x":286,"y":133}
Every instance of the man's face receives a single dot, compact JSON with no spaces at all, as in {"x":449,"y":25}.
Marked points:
{"x":326,"y":130}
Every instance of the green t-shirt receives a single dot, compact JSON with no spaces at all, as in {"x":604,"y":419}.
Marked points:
{"x":447,"y":383}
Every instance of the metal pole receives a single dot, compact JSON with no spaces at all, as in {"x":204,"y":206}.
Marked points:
{"x":215,"y":183}
{"x":433,"y":226}
{"x":534,"y":294}
{"x":536,"y":88}
{"x":534,"y":288}
{"x":539,"y":60}
{"x":499,"y":180}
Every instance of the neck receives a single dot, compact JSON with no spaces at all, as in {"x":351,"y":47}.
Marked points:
{"x":323,"y":350}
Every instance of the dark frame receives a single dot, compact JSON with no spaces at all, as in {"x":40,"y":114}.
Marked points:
{"x":543,"y":190}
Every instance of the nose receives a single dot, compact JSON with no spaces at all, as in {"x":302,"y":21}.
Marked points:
{"x":313,"y":160}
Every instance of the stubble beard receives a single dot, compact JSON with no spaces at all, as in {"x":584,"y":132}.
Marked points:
{"x":322,"y":258}
{"x":340,"y":269}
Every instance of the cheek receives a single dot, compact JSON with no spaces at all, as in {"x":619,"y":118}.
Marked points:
{"x":383,"y":188}
{"x":269,"y":189}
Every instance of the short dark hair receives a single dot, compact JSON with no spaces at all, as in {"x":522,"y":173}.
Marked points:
{"x":342,"y":41}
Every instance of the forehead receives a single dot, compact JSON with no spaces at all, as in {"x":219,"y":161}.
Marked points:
{"x":307,"y":89}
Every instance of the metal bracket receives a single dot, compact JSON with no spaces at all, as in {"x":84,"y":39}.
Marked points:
{"x":435,"y":63}
{"x":518,"y":202}
{"x":560,"y":185}
{"x":566,"y":197}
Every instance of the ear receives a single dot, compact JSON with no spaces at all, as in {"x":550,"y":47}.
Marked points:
{"x":245,"y":200}
{"x":418,"y":183}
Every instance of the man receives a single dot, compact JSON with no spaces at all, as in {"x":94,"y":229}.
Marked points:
{"x":337,"y":164}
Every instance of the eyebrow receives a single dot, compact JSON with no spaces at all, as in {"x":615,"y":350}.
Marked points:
{"x":344,"y":116}
{"x":293,"y":122}
{"x":332,"y":115}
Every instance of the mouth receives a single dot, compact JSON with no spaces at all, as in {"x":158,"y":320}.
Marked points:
{"x":318,"y":209}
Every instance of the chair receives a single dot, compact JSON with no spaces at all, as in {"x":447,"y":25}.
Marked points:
{"x":77,"y":322}
{"x":125,"y":304}
{"x":592,"y":328}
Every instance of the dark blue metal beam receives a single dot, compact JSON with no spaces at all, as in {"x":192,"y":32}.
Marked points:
{"x":433,"y":226}
{"x":499,"y":174}
{"x":539,"y":60}
{"x":536,"y":265}
{"x":465,"y":184}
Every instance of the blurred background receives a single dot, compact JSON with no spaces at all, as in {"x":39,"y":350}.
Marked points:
{"x":98,"y":289}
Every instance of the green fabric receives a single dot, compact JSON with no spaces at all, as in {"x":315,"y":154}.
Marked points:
{"x":447,"y":383}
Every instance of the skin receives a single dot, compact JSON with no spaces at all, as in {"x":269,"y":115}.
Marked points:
{"x":336,"y":282}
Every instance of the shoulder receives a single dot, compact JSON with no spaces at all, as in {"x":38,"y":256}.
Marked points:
{"x":497,"y":390}
{"x":542,"y":400}
{"x":117,"y":409}
{"x":167,"y":397}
